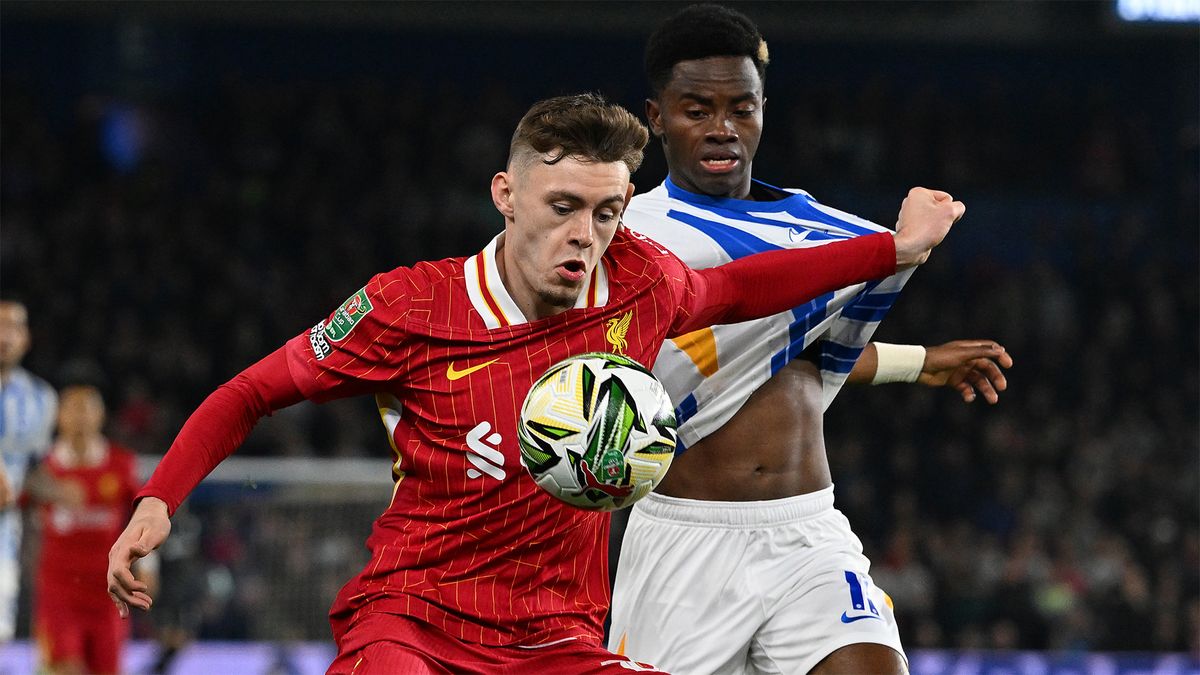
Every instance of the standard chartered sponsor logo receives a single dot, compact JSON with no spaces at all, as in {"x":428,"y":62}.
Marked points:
{"x":485,"y":453}
{"x":316,"y":337}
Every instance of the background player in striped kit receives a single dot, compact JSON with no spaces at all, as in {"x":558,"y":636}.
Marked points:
{"x":739,"y":562}
{"x":474,"y":568}
{"x":27,"y":411}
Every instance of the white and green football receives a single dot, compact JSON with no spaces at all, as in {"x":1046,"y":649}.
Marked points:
{"x":597,"y":431}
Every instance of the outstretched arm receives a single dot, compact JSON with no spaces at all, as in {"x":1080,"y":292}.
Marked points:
{"x":970,"y":367}
{"x":767,"y":283}
{"x":210,"y":435}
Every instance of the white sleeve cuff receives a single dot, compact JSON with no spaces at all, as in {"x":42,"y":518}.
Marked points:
{"x":898,"y":363}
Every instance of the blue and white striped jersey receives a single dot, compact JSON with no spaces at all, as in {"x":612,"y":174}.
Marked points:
{"x":28,"y":412}
{"x":712,"y":372}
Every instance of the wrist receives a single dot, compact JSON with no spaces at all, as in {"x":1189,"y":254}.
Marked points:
{"x":908,"y":254}
{"x":152,"y":506}
{"x":898,"y":363}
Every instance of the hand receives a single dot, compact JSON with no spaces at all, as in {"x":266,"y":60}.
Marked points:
{"x":146,"y":531}
{"x":967,"y":366}
{"x":924,"y":221}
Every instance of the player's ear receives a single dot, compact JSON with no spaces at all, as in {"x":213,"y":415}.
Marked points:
{"x":502,"y":193}
{"x":654,"y":116}
{"x":628,"y":195}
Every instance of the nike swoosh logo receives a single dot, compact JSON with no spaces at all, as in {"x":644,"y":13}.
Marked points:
{"x":852,"y":619}
{"x":452,"y":374}
{"x":795,"y":235}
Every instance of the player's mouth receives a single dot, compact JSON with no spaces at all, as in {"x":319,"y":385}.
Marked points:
{"x":572,"y":270}
{"x":720,"y":162}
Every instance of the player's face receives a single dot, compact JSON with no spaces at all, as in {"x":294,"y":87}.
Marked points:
{"x":559,"y":219}
{"x":710,"y":117}
{"x":14,"y":334}
{"x":80,"y":412}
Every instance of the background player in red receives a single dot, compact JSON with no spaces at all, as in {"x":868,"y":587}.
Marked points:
{"x":473,"y":567}
{"x":77,"y":628}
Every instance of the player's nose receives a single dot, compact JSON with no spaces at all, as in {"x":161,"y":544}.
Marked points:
{"x":581,"y":233}
{"x":722,"y":129}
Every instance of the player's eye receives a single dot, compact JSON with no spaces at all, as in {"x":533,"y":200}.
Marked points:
{"x":561,"y":209}
{"x":606,"y":216}
{"x":695,"y":113}
{"x":745,"y":112}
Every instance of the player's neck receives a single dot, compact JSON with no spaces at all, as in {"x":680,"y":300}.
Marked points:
{"x":744,"y":191}
{"x":6,"y":372}
{"x":79,"y":444}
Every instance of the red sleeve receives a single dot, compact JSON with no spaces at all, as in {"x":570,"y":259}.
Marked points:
{"x":768,"y":283}
{"x":219,"y":426}
{"x":357,"y":349}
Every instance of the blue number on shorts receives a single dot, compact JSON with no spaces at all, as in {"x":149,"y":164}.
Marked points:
{"x":859,"y":587}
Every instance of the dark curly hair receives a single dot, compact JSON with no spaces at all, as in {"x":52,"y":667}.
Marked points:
{"x":698,"y":32}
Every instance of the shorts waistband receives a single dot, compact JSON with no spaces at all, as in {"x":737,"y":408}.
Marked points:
{"x":759,"y":513}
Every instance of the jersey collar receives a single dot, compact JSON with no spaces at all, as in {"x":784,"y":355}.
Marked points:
{"x":745,"y":205}
{"x":497,"y":308}
{"x":93,"y":455}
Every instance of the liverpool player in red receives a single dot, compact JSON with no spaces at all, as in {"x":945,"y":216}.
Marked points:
{"x":77,"y":628}
{"x":473,"y":567}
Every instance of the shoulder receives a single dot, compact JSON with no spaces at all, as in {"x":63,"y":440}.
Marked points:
{"x":650,"y":203}
{"x":390,"y":296}
{"x":120,"y":453}
{"x":853,"y":224}
{"x":123,"y":458}
{"x":638,"y":259}
{"x":648,"y":212}
{"x":630,"y":245}
{"x":404,"y":283}
{"x":34,"y":385}
{"x":680,"y":226}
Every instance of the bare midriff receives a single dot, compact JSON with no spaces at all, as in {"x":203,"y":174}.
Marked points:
{"x":774,"y":447}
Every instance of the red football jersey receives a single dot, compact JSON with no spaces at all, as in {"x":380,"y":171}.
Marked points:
{"x":75,"y":540}
{"x":470,"y":543}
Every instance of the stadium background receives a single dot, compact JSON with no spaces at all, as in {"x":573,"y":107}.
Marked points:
{"x":185,"y":186}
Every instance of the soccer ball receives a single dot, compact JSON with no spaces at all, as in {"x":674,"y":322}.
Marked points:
{"x":597,"y":431}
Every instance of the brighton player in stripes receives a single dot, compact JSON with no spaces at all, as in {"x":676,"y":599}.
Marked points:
{"x":739,"y":562}
{"x":28,"y":406}
{"x":473,"y":567}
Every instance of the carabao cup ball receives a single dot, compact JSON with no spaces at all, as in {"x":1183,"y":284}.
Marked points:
{"x":597,"y":431}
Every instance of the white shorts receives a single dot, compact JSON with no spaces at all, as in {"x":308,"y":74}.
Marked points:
{"x":744,"y":587}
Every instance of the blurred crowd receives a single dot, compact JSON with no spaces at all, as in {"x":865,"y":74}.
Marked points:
{"x":164,"y":243}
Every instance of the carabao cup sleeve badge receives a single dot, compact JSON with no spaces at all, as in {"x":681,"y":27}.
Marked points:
{"x":347,"y":316}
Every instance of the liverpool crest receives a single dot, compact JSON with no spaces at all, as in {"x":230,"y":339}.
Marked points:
{"x":617,"y":329}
